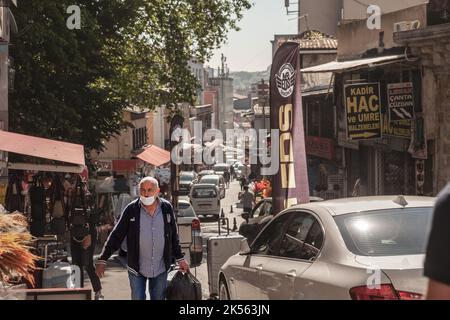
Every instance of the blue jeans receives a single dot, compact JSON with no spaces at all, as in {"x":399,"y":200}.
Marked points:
{"x":157,"y":286}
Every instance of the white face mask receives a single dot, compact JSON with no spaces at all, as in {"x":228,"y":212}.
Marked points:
{"x":147,"y":201}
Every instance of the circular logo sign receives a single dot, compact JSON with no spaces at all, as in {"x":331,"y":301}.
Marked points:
{"x":285,"y":79}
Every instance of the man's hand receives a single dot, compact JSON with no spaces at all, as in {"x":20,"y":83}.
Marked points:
{"x":87,"y":241}
{"x":184,"y":266}
{"x":100,"y":270}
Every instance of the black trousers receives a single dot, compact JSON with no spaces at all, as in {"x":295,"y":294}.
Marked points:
{"x":85,"y":259}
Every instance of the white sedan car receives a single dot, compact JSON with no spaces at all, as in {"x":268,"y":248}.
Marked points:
{"x":370,"y":248}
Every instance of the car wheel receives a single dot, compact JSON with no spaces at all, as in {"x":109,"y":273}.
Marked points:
{"x":223,"y":290}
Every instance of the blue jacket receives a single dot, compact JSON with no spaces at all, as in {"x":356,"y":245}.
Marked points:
{"x":128,"y":226}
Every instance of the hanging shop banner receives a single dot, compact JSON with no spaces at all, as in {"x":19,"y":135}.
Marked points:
{"x":363,"y":111}
{"x":418,"y":146}
{"x":398,"y":129}
{"x":400,"y":101}
{"x":290,"y":183}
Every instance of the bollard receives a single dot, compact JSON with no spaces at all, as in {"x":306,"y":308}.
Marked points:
{"x":234,"y":224}
{"x":231,"y":210}
{"x":222,"y":215}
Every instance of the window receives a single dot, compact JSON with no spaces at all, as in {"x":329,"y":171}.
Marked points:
{"x":139,"y":138}
{"x":259,"y":210}
{"x":303,"y":238}
{"x":390,"y":232}
{"x":267,"y":243}
{"x":204,"y":193}
{"x":185,"y":210}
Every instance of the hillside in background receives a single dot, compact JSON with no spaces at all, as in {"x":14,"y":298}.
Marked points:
{"x":243,"y":79}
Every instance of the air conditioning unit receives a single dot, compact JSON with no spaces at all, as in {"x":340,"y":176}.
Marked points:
{"x":406,"y":25}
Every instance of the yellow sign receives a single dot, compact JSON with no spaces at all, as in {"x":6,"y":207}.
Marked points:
{"x":363,"y":111}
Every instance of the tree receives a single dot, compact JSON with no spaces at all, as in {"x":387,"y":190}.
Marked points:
{"x":73,"y":85}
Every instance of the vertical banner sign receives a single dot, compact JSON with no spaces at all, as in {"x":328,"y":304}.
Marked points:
{"x":177,"y":122}
{"x":363,"y":111}
{"x":290,"y":184}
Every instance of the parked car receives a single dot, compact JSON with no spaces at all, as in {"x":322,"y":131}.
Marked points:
{"x":261,"y":215}
{"x":190,"y":232}
{"x":187,"y":180}
{"x":205,"y":199}
{"x":205,"y":173}
{"x":216,"y":180}
{"x":330,"y":249}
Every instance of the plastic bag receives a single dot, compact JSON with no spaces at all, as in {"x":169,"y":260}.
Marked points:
{"x":184,"y":286}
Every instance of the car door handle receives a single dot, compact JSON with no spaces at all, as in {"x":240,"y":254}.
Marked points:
{"x":259,"y":267}
{"x":291,"y":274}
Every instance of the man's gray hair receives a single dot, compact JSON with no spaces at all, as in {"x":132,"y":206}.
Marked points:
{"x":152,"y":180}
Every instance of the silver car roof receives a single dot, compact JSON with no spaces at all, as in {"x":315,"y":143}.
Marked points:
{"x":361,"y":204}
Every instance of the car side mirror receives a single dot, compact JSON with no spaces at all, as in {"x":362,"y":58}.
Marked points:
{"x":244,"y":248}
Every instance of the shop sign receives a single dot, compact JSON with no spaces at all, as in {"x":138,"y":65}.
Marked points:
{"x":400,"y":101}
{"x":320,"y":147}
{"x":399,"y":129}
{"x":103,"y":165}
{"x":363,"y":111}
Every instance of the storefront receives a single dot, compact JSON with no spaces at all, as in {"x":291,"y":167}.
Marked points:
{"x":380,"y":125}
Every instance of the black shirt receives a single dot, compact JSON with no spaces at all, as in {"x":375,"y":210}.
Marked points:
{"x":437,"y":262}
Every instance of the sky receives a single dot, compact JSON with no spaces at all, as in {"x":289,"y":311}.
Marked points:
{"x":250,"y":49}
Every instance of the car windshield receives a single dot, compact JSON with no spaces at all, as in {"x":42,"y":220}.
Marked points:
{"x":209,"y":180}
{"x":386,"y":232}
{"x":187,"y":177}
{"x":185,"y":210}
{"x":204,"y":193}
{"x":220,"y":167}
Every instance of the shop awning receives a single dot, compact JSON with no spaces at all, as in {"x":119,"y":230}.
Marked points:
{"x":155,"y":156}
{"x":124,"y":165}
{"x":339,"y":66}
{"x":42,"y":148}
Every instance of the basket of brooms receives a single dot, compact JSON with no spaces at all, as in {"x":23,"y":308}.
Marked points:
{"x":16,"y":259}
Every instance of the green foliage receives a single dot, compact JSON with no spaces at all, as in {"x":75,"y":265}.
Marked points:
{"x":73,"y":85}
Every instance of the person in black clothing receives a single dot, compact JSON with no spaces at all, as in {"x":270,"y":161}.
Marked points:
{"x":82,"y":251}
{"x":226,"y":176}
{"x":437,"y":261}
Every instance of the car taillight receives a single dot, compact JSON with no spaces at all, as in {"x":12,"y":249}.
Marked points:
{"x":409,"y":295}
{"x":384,"y":292}
{"x":195,"y":224}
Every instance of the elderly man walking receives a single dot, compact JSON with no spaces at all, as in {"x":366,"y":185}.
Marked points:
{"x":152,"y":239}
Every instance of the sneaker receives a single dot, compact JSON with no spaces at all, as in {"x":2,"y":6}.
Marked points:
{"x":99,"y":296}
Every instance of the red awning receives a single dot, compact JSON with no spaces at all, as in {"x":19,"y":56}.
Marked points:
{"x":42,"y":148}
{"x":155,"y":156}
{"x":124,"y":165}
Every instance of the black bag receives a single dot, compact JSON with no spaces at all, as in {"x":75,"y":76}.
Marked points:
{"x":79,"y":225}
{"x":79,"y":217}
{"x":37,"y":228}
{"x":58,"y":226}
{"x":184,"y":286}
{"x":37,"y":194}
{"x":38,"y":211}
